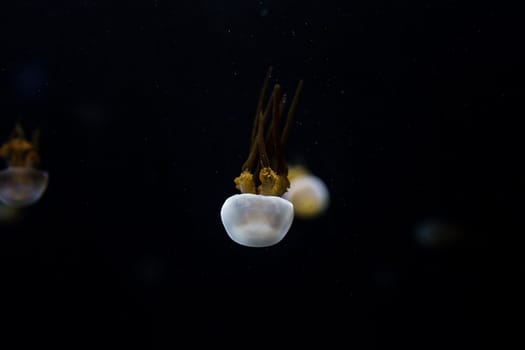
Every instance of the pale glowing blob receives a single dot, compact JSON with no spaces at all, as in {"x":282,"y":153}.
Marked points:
{"x":437,"y":233}
{"x":22,"y":186}
{"x":308,"y":193}
{"x":256,"y":220}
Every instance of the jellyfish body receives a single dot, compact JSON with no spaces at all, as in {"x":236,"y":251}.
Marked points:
{"x":257,"y":221}
{"x":21,"y":186}
{"x":308,"y":193}
{"x":259,"y":216}
{"x":436,"y":233}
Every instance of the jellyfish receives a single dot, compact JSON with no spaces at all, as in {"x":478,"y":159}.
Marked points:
{"x":437,"y":233}
{"x":308,"y":193}
{"x":259,"y":216}
{"x":21,"y":183}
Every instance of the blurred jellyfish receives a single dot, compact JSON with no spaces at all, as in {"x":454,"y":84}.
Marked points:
{"x":21,"y":184}
{"x":259,"y":216}
{"x":150,"y":271}
{"x":308,"y":193}
{"x":436,"y":233}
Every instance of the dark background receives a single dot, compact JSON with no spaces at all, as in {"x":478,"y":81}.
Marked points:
{"x":145,"y":109}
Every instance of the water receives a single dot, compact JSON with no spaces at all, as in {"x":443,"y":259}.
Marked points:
{"x":146,"y":111}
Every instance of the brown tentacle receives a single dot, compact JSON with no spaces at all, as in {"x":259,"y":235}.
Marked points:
{"x":290,"y":116}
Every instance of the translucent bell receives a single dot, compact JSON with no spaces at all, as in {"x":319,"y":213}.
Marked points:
{"x":255,"y":220}
{"x":309,"y":195}
{"x":22,"y":186}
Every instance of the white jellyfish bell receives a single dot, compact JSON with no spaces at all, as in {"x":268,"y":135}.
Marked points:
{"x":21,"y":184}
{"x":259,"y":216}
{"x":256,"y":221}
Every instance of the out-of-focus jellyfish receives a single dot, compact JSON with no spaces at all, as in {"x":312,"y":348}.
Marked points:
{"x":259,"y":216}
{"x":21,"y":184}
{"x":150,"y":271}
{"x":308,"y":193}
{"x":436,"y":233}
